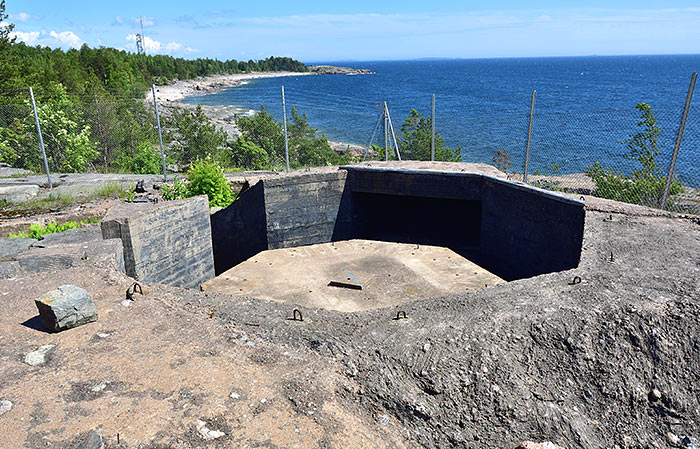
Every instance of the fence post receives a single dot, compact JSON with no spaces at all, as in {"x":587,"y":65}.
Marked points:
{"x":286,"y":144}
{"x":160,"y":134}
{"x":386,"y":133}
{"x":679,"y":139}
{"x":432,"y":128}
{"x":41,"y":138}
{"x":529,"y":135}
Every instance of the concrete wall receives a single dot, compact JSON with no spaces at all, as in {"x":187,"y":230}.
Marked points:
{"x":280,"y":213}
{"x":169,"y":242}
{"x":513,"y":230}
{"x":240,"y":230}
{"x":526,"y":232}
{"x":520,"y":231}
{"x":303,"y":210}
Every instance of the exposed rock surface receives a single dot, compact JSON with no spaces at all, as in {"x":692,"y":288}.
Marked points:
{"x":333,"y":70}
{"x":6,"y":171}
{"x":531,"y":445}
{"x":18,"y":193}
{"x":71,"y":248}
{"x":10,"y":247}
{"x":5,"y":406}
{"x":93,"y":441}
{"x":66,"y":307}
{"x":611,"y":361}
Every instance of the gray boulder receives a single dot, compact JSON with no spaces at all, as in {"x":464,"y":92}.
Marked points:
{"x":66,"y":307}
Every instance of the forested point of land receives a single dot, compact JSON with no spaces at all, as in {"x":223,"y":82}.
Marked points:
{"x":93,"y":115}
{"x":108,"y":71}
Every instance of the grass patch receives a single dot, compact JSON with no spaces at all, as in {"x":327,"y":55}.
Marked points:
{"x":37,"y":230}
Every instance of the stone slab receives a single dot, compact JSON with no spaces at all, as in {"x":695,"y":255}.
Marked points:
{"x":66,"y":307}
{"x":168,"y":242}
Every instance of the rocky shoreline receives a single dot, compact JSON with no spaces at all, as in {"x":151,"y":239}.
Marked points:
{"x":333,"y":70}
{"x":170,"y":97}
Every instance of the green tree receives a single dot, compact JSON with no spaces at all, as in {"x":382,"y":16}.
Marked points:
{"x":316,"y":152}
{"x":415,"y":141}
{"x":645,"y":186}
{"x":245,"y":154}
{"x":263,"y":130}
{"x":146,"y":159}
{"x":195,"y":137}
{"x":67,"y":142}
{"x":5,"y":30}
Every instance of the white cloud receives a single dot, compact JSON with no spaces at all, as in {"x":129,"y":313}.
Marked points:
{"x":118,"y":20}
{"x":30,"y":38}
{"x":21,"y":17}
{"x":172,"y":46}
{"x":64,"y":39}
{"x":67,"y":38}
{"x":153,"y":46}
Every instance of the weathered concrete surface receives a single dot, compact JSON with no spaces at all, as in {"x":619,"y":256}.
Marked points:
{"x":72,"y":248}
{"x":17,"y":194}
{"x":609,"y":362}
{"x":66,"y":307}
{"x":535,"y":359}
{"x":304,"y":209}
{"x":390,"y":274}
{"x":279,"y":213}
{"x":169,"y":242}
{"x":513,"y":230}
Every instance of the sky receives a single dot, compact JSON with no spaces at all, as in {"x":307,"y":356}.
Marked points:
{"x":323,"y":30}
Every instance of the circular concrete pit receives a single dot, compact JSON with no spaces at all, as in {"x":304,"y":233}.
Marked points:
{"x":367,"y":275}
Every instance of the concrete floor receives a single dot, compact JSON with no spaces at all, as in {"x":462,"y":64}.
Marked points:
{"x":389,"y":273}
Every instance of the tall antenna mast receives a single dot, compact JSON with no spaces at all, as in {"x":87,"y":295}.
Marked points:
{"x":140,"y":40}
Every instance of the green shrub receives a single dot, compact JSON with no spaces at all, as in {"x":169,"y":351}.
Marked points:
{"x":145,"y":160}
{"x":37,"y":230}
{"x":247,"y":155}
{"x":176,"y":191}
{"x":644,"y":186}
{"x":207,"y":178}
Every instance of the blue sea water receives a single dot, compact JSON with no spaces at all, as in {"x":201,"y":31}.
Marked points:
{"x":585,"y":106}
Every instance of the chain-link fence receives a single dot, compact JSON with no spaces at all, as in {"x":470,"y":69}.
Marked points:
{"x":622,"y":154}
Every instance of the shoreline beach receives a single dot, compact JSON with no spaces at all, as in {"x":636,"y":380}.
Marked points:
{"x":187,"y":88}
{"x":171,"y":95}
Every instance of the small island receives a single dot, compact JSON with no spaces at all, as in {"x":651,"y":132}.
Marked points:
{"x":333,"y":70}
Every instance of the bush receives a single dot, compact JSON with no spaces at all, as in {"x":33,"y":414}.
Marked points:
{"x":145,"y":160}
{"x":175,"y":192}
{"x":207,"y":178}
{"x":247,"y":155}
{"x":644,"y":186}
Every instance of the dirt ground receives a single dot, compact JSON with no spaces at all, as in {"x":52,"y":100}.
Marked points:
{"x":610,"y":362}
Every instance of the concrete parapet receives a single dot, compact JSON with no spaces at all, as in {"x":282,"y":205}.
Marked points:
{"x":512,"y":229}
{"x":168,"y":242}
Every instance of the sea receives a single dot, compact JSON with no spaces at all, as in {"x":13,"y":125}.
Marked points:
{"x":584,"y":109}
